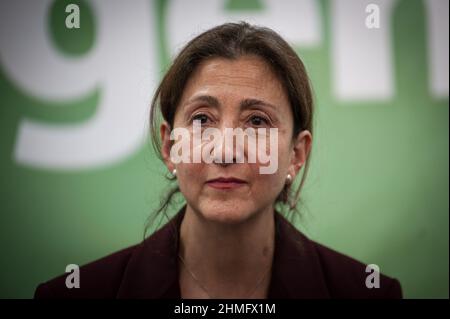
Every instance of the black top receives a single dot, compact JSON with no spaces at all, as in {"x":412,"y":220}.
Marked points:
{"x":301,"y":268}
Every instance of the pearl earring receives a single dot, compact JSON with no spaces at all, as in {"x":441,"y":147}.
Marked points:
{"x":174,"y":172}
{"x":289,"y":178}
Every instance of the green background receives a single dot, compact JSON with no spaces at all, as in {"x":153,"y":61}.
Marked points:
{"x":377,"y":190}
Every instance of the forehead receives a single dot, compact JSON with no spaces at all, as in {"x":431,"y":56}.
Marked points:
{"x":246,"y":77}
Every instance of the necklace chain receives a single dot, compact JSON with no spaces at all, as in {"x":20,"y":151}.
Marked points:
{"x":250,"y":293}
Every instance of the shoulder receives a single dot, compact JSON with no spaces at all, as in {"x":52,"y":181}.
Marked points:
{"x":329,"y":273}
{"x":347,"y":277}
{"x":98,"y":279}
{"x":145,"y":270}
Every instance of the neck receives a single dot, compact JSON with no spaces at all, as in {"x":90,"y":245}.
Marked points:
{"x":228,"y":259}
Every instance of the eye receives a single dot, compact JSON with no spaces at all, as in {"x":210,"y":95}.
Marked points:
{"x":203,"y":118}
{"x":257,"y":120}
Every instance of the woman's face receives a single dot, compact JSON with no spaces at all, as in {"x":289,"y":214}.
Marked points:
{"x":242,"y":93}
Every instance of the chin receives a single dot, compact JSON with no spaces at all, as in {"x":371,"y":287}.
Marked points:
{"x":226,"y":212}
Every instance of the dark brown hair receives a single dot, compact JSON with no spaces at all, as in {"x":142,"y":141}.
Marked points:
{"x":231,"y":41}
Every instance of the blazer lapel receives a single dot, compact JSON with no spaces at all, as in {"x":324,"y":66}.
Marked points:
{"x":296,"y":271}
{"x":152,"y":271}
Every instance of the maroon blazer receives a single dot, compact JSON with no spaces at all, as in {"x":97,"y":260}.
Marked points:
{"x":301,"y":268}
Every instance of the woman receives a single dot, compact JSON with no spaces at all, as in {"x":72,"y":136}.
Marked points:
{"x":229,"y":240}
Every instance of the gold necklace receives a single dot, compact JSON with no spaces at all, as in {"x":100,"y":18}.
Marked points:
{"x":251,"y":292}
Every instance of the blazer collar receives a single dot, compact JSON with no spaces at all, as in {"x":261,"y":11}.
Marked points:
{"x":152,"y":271}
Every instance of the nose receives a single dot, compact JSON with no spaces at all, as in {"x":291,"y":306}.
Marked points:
{"x":232,"y":147}
{"x":224,"y":151}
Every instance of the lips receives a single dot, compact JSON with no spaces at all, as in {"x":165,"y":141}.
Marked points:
{"x":226,"y":183}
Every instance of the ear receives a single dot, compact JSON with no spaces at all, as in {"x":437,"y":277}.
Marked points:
{"x":166,"y":145}
{"x":300,"y":152}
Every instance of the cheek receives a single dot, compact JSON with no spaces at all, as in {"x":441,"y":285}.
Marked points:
{"x":267,"y":184}
{"x":279,"y":160}
{"x":190,"y":177}
{"x":276,"y":181}
{"x":266,"y":187}
{"x":284,"y":157}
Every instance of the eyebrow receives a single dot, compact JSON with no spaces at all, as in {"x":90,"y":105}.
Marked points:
{"x":244,"y":104}
{"x":208,"y":99}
